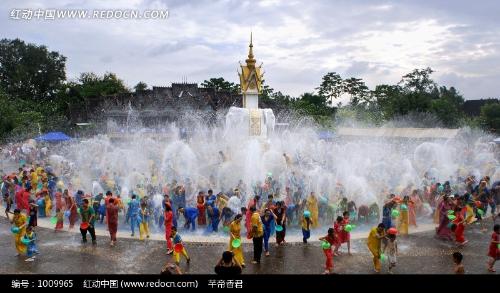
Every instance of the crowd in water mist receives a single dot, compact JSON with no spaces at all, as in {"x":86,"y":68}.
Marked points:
{"x":290,"y":164}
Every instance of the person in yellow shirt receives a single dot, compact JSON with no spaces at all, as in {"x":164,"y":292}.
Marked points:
{"x":144,"y":221}
{"x":312,"y":206}
{"x":374,"y":244}
{"x":404,"y":216}
{"x":235,"y":233}
{"x":48,"y":203}
{"x":257,"y":235}
{"x":34,"y":179}
{"x":20,"y":222}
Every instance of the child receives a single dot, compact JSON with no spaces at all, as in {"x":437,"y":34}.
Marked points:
{"x":457,"y":259}
{"x":346,"y":236}
{"x":391,"y":250}
{"x":177,"y":240}
{"x":306,"y":226}
{"x":337,"y":227}
{"x":31,"y":246}
{"x":60,"y":220}
{"x":458,"y":227}
{"x":33,"y":214}
{"x":330,"y":238}
{"x":144,"y":220}
{"x":8,"y":203}
{"x":494,"y":252}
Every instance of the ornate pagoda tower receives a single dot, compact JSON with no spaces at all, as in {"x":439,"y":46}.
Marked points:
{"x":250,"y":80}
{"x":250,"y":120}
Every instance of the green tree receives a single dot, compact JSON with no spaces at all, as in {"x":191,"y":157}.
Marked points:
{"x":30,"y":72}
{"x":331,"y":87}
{"x":93,"y":85}
{"x":89,"y":85}
{"x":356,"y":88}
{"x":220,"y":84}
{"x":448,"y":106}
{"x":419,"y":81}
{"x":7,"y":112}
{"x":490,"y":116}
{"x":140,"y":87}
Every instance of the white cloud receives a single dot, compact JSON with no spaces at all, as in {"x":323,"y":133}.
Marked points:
{"x":298,"y":41}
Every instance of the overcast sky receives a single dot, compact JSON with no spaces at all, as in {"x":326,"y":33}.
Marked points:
{"x":298,"y":41}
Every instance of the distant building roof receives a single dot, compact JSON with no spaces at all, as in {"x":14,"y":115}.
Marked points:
{"x":399,"y":132}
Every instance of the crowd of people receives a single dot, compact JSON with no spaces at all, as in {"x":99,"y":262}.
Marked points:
{"x":37,"y":190}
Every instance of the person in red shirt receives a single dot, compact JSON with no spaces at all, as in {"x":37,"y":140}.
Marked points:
{"x":331,"y":239}
{"x":494,"y":252}
{"x":112,"y":217}
{"x":337,"y":228}
{"x":26,"y":197}
{"x":169,"y":217}
{"x":59,"y":203}
{"x":458,"y":226}
{"x":109,"y":195}
{"x":248,"y":223}
{"x":346,"y":236}
{"x":22,"y":198}
{"x":200,"y":205}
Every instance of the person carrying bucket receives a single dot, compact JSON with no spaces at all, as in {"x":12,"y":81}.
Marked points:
{"x":374,"y":242}
{"x":391,"y":249}
{"x":179,"y":247}
{"x":327,"y":243}
{"x":235,"y":239}
{"x":19,"y":229}
{"x":345,"y":235}
{"x":29,"y":239}
{"x":87,"y":214}
{"x":306,"y":226}
{"x":280,"y":212}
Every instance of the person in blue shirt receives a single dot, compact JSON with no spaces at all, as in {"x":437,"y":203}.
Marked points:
{"x":268,"y":220}
{"x":190,"y":214}
{"x":133,"y":210}
{"x":41,"y":207}
{"x":31,"y":248}
{"x":210,"y":199}
{"x":179,"y":198}
{"x":51,"y":185}
{"x":79,"y":198}
{"x":386,"y":214}
{"x":214,"y":217}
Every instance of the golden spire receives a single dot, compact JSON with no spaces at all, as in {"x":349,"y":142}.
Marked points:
{"x":250,"y":61}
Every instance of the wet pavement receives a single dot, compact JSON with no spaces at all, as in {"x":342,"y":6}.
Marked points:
{"x":63,"y":253}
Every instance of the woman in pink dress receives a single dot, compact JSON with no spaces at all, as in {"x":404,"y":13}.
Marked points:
{"x":444,"y":231}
